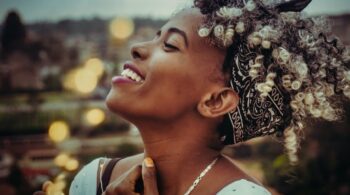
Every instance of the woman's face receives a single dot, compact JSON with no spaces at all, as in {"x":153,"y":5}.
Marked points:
{"x":178,"y":68}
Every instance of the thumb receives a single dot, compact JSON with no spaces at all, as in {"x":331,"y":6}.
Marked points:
{"x":149,"y":177}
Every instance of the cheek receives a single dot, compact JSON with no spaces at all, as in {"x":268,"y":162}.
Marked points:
{"x":174,"y":86}
{"x":172,"y":89}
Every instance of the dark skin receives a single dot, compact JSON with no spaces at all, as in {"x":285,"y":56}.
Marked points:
{"x":177,"y":110}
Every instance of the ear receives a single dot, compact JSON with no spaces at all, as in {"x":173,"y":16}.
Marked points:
{"x":218,"y":102}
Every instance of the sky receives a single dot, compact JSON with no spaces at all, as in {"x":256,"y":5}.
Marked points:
{"x":54,"y":10}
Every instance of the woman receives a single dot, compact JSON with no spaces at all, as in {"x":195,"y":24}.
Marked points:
{"x":219,"y":73}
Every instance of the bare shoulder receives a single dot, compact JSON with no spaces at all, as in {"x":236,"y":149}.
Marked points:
{"x":131,"y":161}
{"x":126,"y":164}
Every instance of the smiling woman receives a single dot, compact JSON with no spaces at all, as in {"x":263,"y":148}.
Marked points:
{"x":218,"y":73}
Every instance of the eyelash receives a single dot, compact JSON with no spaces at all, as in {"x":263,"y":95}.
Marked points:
{"x":170,"y":46}
{"x":167,"y":45}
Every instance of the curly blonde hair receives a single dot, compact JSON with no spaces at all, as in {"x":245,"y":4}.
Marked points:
{"x":294,"y":54}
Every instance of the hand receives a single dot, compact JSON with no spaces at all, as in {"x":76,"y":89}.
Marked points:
{"x":44,"y":188}
{"x":149,"y":177}
{"x":127,"y":183}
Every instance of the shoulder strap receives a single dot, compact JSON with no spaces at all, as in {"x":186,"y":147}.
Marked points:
{"x":106,"y":175}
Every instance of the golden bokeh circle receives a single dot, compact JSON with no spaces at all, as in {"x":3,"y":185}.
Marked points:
{"x":121,"y":28}
{"x":95,"y":116}
{"x":72,"y":164}
{"x":59,"y":131}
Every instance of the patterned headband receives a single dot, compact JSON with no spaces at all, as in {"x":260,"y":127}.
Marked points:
{"x":264,"y":105}
{"x":256,"y":114}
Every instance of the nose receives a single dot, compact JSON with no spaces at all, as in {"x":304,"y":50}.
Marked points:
{"x":139,"y":51}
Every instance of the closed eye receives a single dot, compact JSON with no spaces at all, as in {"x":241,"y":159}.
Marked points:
{"x":170,"y":46}
{"x":167,"y":46}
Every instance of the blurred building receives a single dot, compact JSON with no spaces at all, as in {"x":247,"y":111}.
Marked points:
{"x":35,"y":63}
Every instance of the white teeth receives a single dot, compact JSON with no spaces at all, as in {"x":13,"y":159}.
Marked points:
{"x":132,"y":75}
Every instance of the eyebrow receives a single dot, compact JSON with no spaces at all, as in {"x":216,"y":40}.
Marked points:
{"x":180,"y":32}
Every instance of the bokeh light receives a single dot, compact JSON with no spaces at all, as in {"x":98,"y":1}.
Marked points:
{"x":68,"y":81}
{"x":95,"y":116}
{"x":95,"y":65}
{"x":61,"y":159}
{"x":121,"y":28}
{"x":58,"y":131}
{"x":72,"y":164}
{"x":57,"y":186}
{"x":85,"y":80}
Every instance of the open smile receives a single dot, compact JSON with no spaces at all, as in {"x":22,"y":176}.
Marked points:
{"x":129,"y":74}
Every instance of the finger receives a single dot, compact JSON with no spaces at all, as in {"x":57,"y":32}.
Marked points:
{"x":133,"y":175}
{"x":126,"y":183}
{"x":149,"y":177}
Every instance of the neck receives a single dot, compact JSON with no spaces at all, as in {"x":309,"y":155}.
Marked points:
{"x":180,"y":152}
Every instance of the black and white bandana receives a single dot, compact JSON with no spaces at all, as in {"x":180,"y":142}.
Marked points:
{"x":255,"y":115}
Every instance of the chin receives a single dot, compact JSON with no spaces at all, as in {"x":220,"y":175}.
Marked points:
{"x":112,"y":102}
{"x":134,"y":111}
{"x":120,"y":106}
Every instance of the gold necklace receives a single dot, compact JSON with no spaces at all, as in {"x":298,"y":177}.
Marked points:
{"x":201,"y":175}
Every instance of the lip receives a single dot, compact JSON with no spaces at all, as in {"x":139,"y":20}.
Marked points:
{"x":122,"y":79}
{"x":134,"y":68}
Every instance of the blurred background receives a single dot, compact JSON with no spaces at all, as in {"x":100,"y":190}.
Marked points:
{"x":56,"y":62}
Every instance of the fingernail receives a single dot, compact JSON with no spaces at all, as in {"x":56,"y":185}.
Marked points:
{"x":149,"y":162}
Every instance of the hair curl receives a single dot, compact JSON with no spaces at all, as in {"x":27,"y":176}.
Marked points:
{"x":311,"y":68}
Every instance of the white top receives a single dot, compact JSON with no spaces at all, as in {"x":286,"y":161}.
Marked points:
{"x":85,"y":182}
